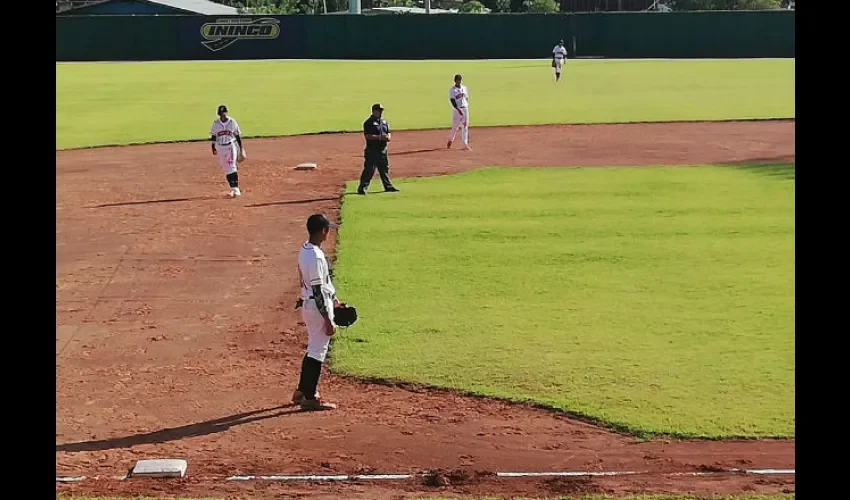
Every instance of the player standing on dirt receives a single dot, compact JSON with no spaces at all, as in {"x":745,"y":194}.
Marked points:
{"x":377,"y":133}
{"x":226,"y":133}
{"x":459,"y":99}
{"x":318,"y":299}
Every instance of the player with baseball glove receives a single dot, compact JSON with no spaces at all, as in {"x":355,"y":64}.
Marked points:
{"x":321,"y":311}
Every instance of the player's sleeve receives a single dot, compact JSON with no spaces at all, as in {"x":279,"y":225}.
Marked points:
{"x":212,"y":129}
{"x":313,"y":277}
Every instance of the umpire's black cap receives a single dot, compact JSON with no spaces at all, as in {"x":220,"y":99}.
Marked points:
{"x":317,"y":222}
{"x":222,"y":109}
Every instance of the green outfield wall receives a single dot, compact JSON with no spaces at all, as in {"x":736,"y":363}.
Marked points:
{"x":742,"y":34}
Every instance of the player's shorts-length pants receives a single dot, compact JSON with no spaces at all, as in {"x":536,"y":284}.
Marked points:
{"x":227,"y":158}
{"x":460,"y":122}
{"x":317,"y":340}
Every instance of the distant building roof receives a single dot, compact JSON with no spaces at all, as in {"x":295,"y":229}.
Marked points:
{"x":204,"y":7}
{"x":200,"y":7}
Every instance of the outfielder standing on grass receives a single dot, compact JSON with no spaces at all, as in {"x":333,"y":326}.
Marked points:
{"x":559,"y":54}
{"x":459,"y":97}
{"x":226,"y":134}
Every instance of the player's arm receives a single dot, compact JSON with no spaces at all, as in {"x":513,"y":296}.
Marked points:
{"x":454,"y":105}
{"x":320,"y":295}
{"x":369,"y":132}
{"x":389,"y":134}
{"x":237,"y":134}
{"x":212,"y":138}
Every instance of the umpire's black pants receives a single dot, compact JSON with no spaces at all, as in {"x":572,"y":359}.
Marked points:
{"x":372,"y":160}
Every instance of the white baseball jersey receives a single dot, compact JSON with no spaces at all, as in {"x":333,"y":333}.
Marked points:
{"x":460,"y":95}
{"x":559,"y":52}
{"x":314,"y":269}
{"x":224,"y":132}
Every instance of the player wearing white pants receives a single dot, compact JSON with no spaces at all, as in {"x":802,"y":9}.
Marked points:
{"x":559,"y":55}
{"x":459,"y":97}
{"x":318,"y":299}
{"x":226,"y":137}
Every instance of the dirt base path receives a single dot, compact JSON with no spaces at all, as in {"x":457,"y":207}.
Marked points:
{"x":176,"y":334}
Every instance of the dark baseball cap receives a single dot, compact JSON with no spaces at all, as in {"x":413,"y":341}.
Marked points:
{"x":317,"y":222}
{"x":377,"y":105}
{"x":222,"y":109}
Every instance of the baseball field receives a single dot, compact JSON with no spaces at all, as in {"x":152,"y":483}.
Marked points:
{"x":604,"y":284}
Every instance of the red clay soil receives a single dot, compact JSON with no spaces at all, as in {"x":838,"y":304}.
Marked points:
{"x":177,"y":337}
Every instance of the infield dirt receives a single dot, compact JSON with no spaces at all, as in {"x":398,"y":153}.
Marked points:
{"x":177,"y":337}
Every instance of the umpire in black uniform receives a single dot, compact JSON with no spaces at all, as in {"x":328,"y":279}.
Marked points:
{"x":377,"y":133}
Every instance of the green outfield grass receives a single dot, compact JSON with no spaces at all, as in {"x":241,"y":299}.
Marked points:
{"x":658,"y":300}
{"x":119,"y":103}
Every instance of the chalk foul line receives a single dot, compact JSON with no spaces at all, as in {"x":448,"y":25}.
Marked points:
{"x":402,"y":477}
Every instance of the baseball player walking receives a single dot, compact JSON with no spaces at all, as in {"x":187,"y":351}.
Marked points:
{"x":559,"y":54}
{"x":318,"y":299}
{"x":376,"y":131}
{"x":226,"y":137}
{"x":459,"y":97}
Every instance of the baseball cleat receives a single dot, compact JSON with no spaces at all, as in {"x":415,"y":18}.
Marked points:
{"x":467,"y":148}
{"x":298,"y":397}
{"x":449,"y":145}
{"x":237,"y":192}
{"x":316,"y":405}
{"x":391,"y":189}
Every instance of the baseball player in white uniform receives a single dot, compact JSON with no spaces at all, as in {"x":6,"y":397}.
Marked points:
{"x":318,"y":299}
{"x":226,"y":137}
{"x":559,"y":54}
{"x":459,"y":97}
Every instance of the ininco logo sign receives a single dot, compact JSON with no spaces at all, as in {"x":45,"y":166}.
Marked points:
{"x":225,"y":32}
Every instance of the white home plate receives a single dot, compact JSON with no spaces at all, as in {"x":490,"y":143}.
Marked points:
{"x":306,"y":166}
{"x":159,"y":468}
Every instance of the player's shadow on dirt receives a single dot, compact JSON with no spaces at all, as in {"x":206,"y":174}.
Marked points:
{"x":150,"y":202}
{"x":292,"y":202}
{"x":415,"y":151}
{"x":177,"y":433}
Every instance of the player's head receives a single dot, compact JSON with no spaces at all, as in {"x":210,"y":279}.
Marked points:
{"x":318,"y":227}
{"x":222,"y":111}
{"x":377,"y":110}
{"x":458,"y":79}
{"x":561,"y":43}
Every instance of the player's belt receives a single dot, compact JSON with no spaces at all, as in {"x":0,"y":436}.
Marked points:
{"x":228,"y":144}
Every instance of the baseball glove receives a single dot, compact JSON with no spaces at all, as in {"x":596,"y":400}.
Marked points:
{"x":345,"y":315}
{"x":240,"y":155}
